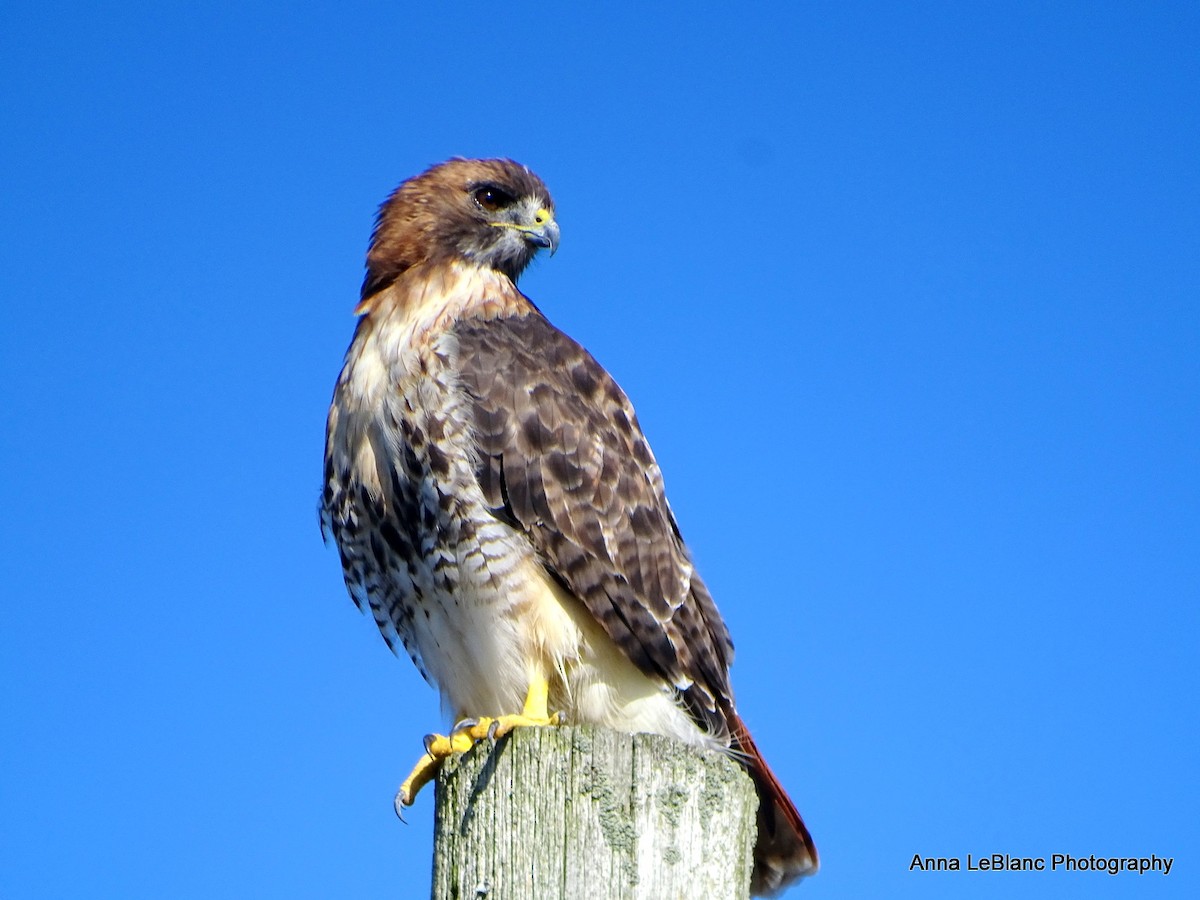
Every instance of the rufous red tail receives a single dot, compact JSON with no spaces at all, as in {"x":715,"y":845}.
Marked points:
{"x":784,"y":851}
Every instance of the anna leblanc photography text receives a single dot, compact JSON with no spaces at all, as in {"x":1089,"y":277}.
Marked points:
{"x":1065,"y":862}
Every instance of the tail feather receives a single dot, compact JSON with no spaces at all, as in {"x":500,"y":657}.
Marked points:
{"x":784,"y":851}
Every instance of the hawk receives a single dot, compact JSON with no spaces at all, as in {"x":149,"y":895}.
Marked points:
{"x":497,"y":509}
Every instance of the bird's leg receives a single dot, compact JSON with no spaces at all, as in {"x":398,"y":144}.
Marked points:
{"x":467,"y":732}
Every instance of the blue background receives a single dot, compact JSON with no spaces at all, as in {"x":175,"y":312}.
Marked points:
{"x":906,"y":298}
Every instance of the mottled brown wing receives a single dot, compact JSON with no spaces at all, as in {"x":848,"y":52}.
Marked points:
{"x":562,"y":458}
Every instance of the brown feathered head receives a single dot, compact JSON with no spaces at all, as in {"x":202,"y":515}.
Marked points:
{"x":491,"y":212}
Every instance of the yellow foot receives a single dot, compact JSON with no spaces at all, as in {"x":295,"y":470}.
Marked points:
{"x":466,"y":733}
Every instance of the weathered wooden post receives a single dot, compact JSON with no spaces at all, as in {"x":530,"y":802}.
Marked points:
{"x":572,"y":812}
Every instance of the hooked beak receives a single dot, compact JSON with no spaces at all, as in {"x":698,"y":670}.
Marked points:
{"x":544,"y":235}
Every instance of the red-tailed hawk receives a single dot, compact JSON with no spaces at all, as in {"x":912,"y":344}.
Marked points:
{"x":498,"y":510}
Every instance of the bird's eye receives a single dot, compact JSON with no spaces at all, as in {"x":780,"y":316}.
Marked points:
{"x":492,"y":198}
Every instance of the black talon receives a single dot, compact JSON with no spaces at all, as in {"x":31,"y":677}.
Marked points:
{"x":428,"y":741}
{"x":463,"y":725}
{"x":492,"y":730}
{"x":398,"y":805}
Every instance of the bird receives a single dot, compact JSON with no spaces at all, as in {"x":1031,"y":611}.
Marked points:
{"x":498,"y":510}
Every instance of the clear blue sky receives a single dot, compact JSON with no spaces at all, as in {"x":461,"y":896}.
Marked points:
{"x":906,"y":297}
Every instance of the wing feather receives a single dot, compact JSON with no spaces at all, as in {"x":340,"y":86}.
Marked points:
{"x":563,"y":458}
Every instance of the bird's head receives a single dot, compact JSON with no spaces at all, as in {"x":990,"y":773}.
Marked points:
{"x":490,"y":212}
